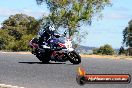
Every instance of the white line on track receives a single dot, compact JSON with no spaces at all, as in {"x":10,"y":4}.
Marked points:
{"x":9,"y":86}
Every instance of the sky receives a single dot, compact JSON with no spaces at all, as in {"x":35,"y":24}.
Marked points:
{"x":107,"y":30}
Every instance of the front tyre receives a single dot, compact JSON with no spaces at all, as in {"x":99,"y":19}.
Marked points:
{"x":74,"y":57}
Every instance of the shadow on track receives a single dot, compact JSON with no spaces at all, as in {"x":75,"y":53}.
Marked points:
{"x":40,"y":63}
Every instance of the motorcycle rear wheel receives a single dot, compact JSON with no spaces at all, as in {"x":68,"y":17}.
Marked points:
{"x":43,"y":57}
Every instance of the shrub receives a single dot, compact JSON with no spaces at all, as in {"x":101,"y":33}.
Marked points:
{"x":104,"y":50}
{"x":95,"y":51}
{"x":17,"y":31}
{"x":2,"y":43}
{"x":122,"y":51}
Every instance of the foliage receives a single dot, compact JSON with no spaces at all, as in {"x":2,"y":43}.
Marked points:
{"x":17,"y":31}
{"x":71,"y":14}
{"x":78,"y":38}
{"x":95,"y":51}
{"x":127,"y":35}
{"x":20,"y":24}
{"x":2,"y":45}
{"x":122,"y":51}
{"x":104,"y":50}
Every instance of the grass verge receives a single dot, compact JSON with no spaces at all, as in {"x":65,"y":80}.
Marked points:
{"x":85,"y":55}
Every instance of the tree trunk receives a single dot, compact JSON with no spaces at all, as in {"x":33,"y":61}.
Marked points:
{"x":130,"y":51}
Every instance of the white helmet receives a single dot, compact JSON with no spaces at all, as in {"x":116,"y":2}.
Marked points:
{"x":51,"y":28}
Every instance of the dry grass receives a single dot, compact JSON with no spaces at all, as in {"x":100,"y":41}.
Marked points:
{"x":17,"y":52}
{"x":87,"y":56}
{"x":107,"y":56}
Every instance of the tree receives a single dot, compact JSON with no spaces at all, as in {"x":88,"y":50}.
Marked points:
{"x":5,"y":38}
{"x":105,"y":50}
{"x":122,"y":51}
{"x":2,"y":45}
{"x":71,"y":14}
{"x":127,"y":37}
{"x":95,"y":51}
{"x":19,"y":24}
{"x":17,"y":31}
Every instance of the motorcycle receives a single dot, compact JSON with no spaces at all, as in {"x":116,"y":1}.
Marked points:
{"x":60,"y":50}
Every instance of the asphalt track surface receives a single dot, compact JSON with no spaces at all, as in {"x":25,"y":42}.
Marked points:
{"x":27,"y":71}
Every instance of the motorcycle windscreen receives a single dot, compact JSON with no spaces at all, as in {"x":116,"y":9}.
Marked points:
{"x":58,"y":40}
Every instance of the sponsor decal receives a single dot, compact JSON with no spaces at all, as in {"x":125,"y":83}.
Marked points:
{"x":84,"y":78}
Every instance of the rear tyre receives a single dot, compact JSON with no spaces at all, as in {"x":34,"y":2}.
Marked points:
{"x":45,"y":58}
{"x":74,"y":57}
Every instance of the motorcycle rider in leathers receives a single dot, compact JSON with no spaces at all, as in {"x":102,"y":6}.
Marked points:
{"x":46,"y":34}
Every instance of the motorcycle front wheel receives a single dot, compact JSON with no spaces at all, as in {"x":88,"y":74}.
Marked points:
{"x":74,"y":57}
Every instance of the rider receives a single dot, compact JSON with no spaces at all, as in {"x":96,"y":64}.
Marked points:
{"x":46,"y":34}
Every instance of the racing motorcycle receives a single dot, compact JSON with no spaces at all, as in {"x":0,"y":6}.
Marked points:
{"x":60,"y":50}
